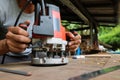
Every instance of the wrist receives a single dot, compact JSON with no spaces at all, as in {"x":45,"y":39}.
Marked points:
{"x":3,"y":47}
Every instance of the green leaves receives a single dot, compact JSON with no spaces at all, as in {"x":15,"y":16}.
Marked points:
{"x":110,"y":36}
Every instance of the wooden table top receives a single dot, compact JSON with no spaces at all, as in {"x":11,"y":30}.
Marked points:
{"x":74,"y":68}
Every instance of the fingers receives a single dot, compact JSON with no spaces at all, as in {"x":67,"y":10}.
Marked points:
{"x":73,"y":45}
{"x":69,"y":35}
{"x":16,"y":47}
{"x":24,"y":25}
{"x":75,"y":40}
{"x":18,"y":30}
{"x":73,"y":36}
{"x":17,"y":43}
{"x":77,"y":37}
{"x":17,"y":38}
{"x":27,"y":22}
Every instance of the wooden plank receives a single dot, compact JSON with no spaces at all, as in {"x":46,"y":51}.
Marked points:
{"x":74,"y":68}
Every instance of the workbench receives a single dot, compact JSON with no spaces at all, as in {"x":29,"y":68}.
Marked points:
{"x":74,"y":68}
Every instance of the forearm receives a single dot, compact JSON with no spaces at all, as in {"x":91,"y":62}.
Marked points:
{"x":3,"y":47}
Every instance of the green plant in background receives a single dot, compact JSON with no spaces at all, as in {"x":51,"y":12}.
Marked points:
{"x":111,"y":36}
{"x":71,"y":26}
{"x":104,"y":30}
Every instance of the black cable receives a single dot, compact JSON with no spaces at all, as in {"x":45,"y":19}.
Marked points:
{"x":24,"y":7}
{"x":3,"y":59}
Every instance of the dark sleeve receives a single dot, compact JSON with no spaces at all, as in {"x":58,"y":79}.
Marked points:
{"x":3,"y":31}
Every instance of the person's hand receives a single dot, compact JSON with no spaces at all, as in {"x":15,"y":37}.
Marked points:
{"x":74,"y":41}
{"x":17,"y":38}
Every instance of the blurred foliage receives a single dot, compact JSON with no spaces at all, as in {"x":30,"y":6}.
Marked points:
{"x":110,"y":36}
{"x":71,"y":26}
{"x":104,"y":30}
